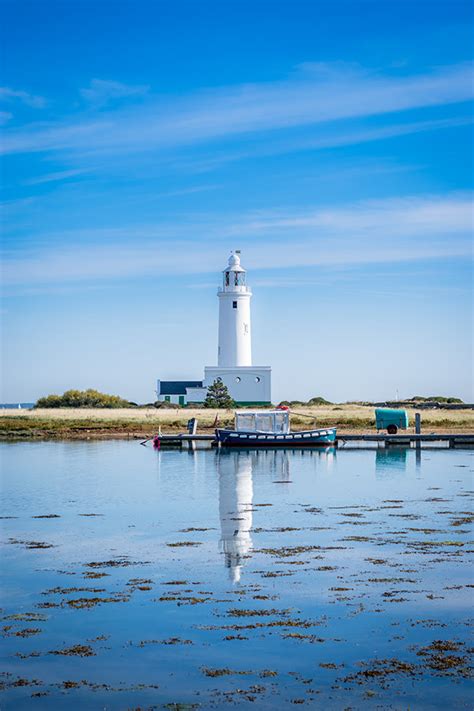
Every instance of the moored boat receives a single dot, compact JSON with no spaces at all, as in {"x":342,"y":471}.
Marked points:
{"x":271,"y":428}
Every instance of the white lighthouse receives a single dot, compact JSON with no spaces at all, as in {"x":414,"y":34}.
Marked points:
{"x":235,"y":341}
{"x":248,"y":384}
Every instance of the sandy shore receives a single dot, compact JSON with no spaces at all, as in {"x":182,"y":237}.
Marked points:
{"x":87,"y":423}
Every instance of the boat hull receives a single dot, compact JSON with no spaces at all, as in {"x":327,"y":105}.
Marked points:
{"x":250,"y":440}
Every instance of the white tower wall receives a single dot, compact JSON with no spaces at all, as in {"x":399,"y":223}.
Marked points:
{"x":235,"y":340}
{"x":235,"y":345}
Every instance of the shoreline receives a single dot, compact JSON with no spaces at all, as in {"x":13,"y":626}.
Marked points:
{"x":16,"y":438}
{"x":89,"y":424}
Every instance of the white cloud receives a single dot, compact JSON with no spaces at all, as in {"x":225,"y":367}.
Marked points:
{"x":384,"y":231}
{"x":36,"y":102}
{"x":188,"y":191}
{"x":53,"y":177}
{"x":304,"y":99}
{"x":335,"y":139}
{"x":427,"y":216}
{"x":366,"y":136}
{"x":100,"y":92}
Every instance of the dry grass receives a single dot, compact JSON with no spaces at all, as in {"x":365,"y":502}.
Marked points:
{"x":85,"y":413}
{"x":130,"y":414}
{"x":86,"y":422}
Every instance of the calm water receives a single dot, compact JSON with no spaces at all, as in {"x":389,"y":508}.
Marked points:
{"x":319,"y":578}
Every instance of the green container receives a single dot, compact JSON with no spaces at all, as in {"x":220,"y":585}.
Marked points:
{"x":390,"y":419}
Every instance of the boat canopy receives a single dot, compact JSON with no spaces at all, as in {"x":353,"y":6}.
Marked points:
{"x":275,"y":421}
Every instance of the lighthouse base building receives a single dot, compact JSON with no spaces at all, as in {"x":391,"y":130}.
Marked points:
{"x":247,"y":384}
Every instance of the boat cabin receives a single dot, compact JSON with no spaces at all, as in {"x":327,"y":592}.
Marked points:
{"x":274,"y":421}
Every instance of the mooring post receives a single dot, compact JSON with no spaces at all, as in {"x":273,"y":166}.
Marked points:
{"x":192,"y":426}
{"x":417,"y":423}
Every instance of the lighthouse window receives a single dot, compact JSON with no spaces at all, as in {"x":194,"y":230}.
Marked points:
{"x":227,"y":278}
{"x":234,"y":304}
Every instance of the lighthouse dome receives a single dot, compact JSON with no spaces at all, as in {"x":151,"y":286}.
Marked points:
{"x":234,"y":263}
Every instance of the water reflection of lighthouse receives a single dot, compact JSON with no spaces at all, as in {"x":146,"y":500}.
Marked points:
{"x":235,"y":508}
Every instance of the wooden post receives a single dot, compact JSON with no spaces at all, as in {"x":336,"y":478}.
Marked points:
{"x":417,"y":423}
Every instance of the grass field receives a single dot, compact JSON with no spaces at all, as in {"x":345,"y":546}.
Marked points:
{"x":78,"y":423}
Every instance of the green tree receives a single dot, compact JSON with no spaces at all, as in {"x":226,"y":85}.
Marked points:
{"x":218,"y":396}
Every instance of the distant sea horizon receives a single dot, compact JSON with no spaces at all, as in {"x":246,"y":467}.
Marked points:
{"x":16,"y":405}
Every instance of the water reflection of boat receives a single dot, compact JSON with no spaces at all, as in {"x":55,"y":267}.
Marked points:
{"x":235,"y":508}
{"x":270,"y":463}
{"x":271,"y":428}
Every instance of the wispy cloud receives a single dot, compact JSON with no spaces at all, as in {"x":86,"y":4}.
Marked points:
{"x":8,"y":94}
{"x":101,"y":92}
{"x":368,"y":135}
{"x":5,"y":116}
{"x":188,"y":191}
{"x":320,"y":95}
{"x":55,"y":177}
{"x":336,"y":139}
{"x":384,"y":231}
{"x":428,"y":216}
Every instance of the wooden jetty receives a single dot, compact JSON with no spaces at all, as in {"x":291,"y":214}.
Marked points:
{"x":451,"y":439}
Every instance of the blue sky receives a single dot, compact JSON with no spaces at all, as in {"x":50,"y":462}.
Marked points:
{"x":330,"y":141}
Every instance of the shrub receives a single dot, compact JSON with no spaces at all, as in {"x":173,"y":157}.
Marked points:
{"x":299,"y":403}
{"x":319,"y":401}
{"x":50,"y":401}
{"x":436,"y":398}
{"x":83,"y":398}
{"x":441,"y":398}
